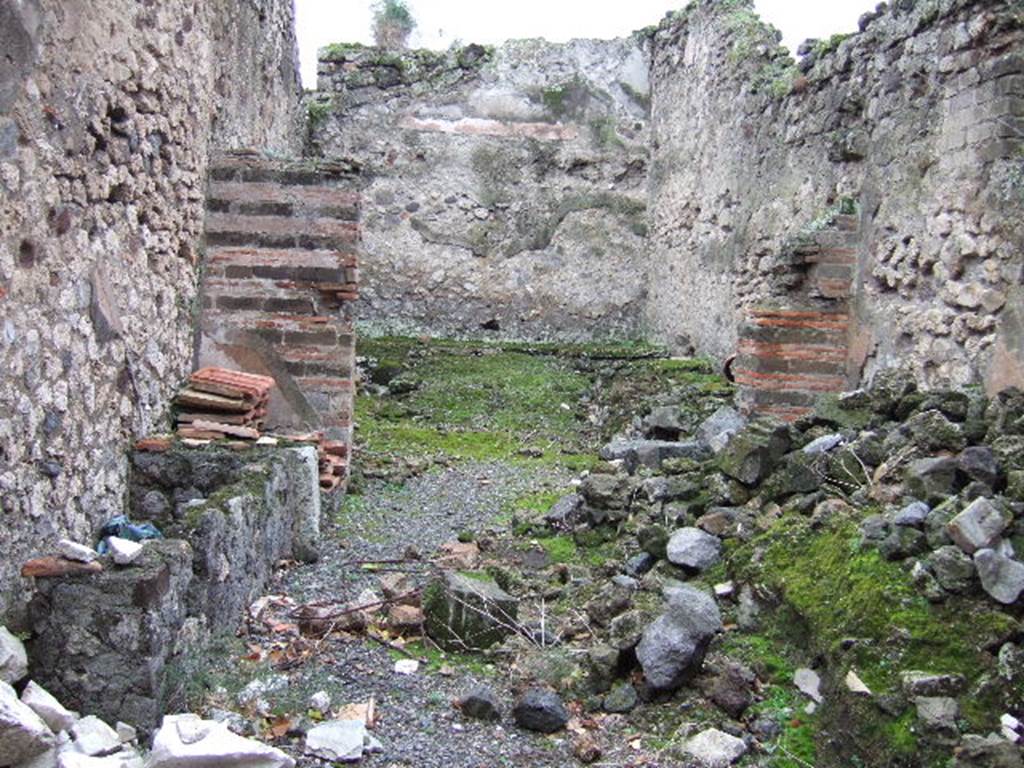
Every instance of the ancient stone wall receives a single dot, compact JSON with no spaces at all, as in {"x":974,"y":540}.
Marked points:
{"x":103,"y":642}
{"x":507,"y":186}
{"x":915,"y":124}
{"x":106,"y":111}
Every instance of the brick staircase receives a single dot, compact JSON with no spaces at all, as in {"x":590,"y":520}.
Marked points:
{"x":280,"y":275}
{"x":795,"y":347}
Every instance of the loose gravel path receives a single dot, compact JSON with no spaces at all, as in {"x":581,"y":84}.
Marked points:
{"x":418,"y":725}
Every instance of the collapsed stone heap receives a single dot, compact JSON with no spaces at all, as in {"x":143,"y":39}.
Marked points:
{"x":933,"y":481}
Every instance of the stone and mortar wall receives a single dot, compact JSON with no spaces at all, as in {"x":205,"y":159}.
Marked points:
{"x":507,"y":186}
{"x":918,"y":120}
{"x":108,"y":643}
{"x":106,"y":112}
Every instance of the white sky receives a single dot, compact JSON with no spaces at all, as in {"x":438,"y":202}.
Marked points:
{"x":321,"y":22}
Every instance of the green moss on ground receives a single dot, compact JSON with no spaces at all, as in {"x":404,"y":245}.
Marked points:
{"x":861,"y":612}
{"x":474,"y":400}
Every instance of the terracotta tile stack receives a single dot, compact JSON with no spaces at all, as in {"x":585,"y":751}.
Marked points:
{"x":218,"y":402}
{"x":333,"y":455}
{"x":333,"y":463}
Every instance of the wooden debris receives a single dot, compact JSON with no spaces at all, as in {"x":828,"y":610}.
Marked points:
{"x":49,"y":567}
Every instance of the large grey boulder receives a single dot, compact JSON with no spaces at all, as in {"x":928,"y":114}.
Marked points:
{"x":719,"y":428}
{"x":979,"y":463}
{"x":468,"y":611}
{"x":754,"y":453}
{"x":990,"y":751}
{"x":541,"y":710}
{"x":1001,"y":577}
{"x":715,"y":749}
{"x":953,"y":569}
{"x":938,"y":715}
{"x":188,"y":741}
{"x":977,"y":527}
{"x":13,"y":659}
{"x":652,"y":453}
{"x":693,"y":549}
{"x":932,"y":480}
{"x":672,"y":648}
{"x":23,"y":734}
{"x":94,"y":737}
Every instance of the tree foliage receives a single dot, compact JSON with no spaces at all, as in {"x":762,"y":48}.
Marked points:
{"x":392,"y":23}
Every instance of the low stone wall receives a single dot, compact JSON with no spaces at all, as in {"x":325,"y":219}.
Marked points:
{"x":102,"y":642}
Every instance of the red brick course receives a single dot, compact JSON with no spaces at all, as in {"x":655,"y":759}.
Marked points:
{"x":789,"y":355}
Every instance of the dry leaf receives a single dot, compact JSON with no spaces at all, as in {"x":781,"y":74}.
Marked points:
{"x":279,"y":727}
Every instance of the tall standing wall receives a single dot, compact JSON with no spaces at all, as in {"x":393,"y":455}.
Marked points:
{"x":107,"y":114}
{"x":505,"y":187}
{"x":915,"y":125}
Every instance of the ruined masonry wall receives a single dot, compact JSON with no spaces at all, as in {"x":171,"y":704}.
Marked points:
{"x":506,"y":186}
{"x":918,"y":120}
{"x":106,"y":112}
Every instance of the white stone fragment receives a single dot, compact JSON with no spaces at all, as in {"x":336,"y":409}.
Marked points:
{"x":808,"y":683}
{"x":407,"y":666}
{"x":855,"y":685}
{"x":74,"y":551}
{"x":320,"y":701}
{"x":126,"y":733}
{"x":94,"y":737}
{"x":23,"y":734}
{"x":219,"y":747}
{"x":725,"y":590}
{"x":123,"y":551}
{"x":267,"y":440}
{"x":342,"y":740}
{"x":715,"y":749}
{"x":53,"y":713}
{"x":13,"y":659}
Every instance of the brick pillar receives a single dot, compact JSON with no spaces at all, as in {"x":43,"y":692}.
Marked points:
{"x":796,"y":347}
{"x":280,"y":276}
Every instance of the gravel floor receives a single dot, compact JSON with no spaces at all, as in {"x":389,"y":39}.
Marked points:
{"x":417,"y":724}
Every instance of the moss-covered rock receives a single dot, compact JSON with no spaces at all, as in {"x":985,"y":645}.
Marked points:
{"x":468,"y":611}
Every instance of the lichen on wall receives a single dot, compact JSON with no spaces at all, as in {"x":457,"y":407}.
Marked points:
{"x":507,"y":185}
{"x":105,"y":127}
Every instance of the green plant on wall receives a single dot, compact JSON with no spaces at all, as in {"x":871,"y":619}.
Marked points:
{"x":392,"y":24}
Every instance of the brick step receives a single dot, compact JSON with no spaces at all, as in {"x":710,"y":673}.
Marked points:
{"x":789,"y":382}
{"x":786,"y":412}
{"x":793,"y":351}
{"x":227,"y":302}
{"x":760,"y":399}
{"x":231,"y":223}
{"x":254,"y":170}
{"x":299,"y":240}
{"x":846,"y":223}
{"x":278,"y":200}
{"x":765,"y":364}
{"x":831,"y":255}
